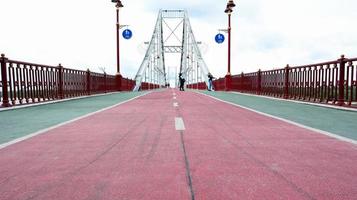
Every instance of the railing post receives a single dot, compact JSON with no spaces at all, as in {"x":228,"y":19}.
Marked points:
{"x":341,"y":83}
{"x":242,"y":82}
{"x":259,"y":86}
{"x":228,"y":82}
{"x":60,"y":81}
{"x":88,"y":82}
{"x":286,"y":82}
{"x":5,"y":91}
{"x":118,"y":79}
{"x":105,"y":82}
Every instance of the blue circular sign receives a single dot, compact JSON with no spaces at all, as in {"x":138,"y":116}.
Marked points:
{"x":219,"y":38}
{"x":127,"y":34}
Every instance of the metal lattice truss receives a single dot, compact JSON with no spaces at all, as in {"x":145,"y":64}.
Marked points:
{"x":152,"y":68}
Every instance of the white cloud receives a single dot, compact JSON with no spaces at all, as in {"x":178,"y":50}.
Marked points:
{"x":265,"y":34}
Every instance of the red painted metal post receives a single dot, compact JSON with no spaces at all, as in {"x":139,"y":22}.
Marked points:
{"x":118,"y":40}
{"x":88,"y":82}
{"x":5,"y":91}
{"x":228,"y":77}
{"x":286,"y":82}
{"x":259,"y":86}
{"x":60,"y":81}
{"x":229,"y":44}
{"x":341,"y":83}
{"x":118,"y":75}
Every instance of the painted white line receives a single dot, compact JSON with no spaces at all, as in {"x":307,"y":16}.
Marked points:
{"x":54,"y":101}
{"x":290,"y":122}
{"x":300,"y":102}
{"x":174,"y":98}
{"x":176,"y":104}
{"x":64,"y":123}
{"x":179,"y":124}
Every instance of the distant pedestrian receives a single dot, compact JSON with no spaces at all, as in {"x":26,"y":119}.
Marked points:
{"x":182,"y":82}
{"x":210,"y":82}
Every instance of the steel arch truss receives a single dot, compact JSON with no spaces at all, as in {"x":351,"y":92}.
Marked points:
{"x":192,"y":66}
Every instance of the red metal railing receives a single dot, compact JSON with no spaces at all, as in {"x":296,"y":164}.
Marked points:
{"x":333,"y":82}
{"x":219,"y":84}
{"x":127,"y":84}
{"x":149,"y":86}
{"x":199,"y":86}
{"x":23,"y":83}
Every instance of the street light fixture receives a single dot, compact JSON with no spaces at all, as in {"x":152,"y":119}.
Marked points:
{"x":228,"y":78}
{"x":231,"y":4}
{"x":118,"y":5}
{"x":228,"y":10}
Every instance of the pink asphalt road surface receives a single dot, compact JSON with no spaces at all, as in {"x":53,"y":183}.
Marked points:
{"x":133,"y":151}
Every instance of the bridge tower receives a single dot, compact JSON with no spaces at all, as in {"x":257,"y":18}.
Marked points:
{"x":179,"y":40}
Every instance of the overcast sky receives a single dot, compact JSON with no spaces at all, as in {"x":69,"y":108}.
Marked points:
{"x":265,"y":34}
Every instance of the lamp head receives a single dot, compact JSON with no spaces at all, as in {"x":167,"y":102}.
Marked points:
{"x":118,"y":2}
{"x":231,"y":4}
{"x":228,"y":10}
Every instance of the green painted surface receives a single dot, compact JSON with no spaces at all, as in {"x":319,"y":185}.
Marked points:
{"x":20,"y":122}
{"x":343,"y":123}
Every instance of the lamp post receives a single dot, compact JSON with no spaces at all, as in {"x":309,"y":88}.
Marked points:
{"x":228,"y":78}
{"x":118,"y":76}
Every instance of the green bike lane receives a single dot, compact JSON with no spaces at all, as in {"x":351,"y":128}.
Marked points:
{"x":339,"y":122}
{"x":17,"y":123}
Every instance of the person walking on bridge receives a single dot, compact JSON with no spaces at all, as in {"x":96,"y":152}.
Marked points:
{"x":210,"y":82}
{"x":182,"y":82}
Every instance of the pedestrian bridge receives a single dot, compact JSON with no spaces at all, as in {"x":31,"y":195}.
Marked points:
{"x":287,"y":133}
{"x":167,"y":144}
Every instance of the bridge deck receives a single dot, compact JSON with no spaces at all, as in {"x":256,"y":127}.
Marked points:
{"x":221,"y":151}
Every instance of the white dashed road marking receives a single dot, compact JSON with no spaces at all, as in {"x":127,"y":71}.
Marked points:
{"x":179,"y":124}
